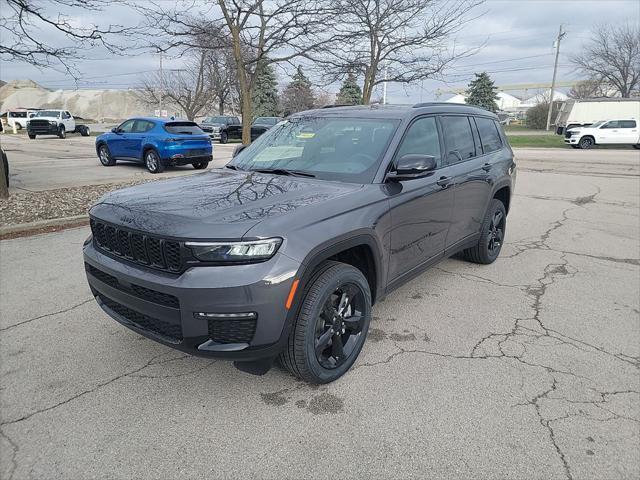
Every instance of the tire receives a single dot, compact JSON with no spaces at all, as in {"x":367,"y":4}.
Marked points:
{"x":62,"y":133}
{"x":327,"y":288}
{"x":6,"y":167}
{"x":637,"y":147}
{"x":491,"y":236}
{"x":575,"y":146}
{"x":84,"y":131}
{"x":105,"y":157}
{"x":32,"y":136}
{"x":153,"y":162}
{"x":586,"y":143}
{"x":224,"y":137}
{"x":200,"y":165}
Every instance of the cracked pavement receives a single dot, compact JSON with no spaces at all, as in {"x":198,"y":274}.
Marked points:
{"x":527,"y":368}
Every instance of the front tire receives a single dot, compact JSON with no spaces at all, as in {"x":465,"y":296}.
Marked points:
{"x":200,"y":165}
{"x":104,"y":154}
{"x":224,"y":137}
{"x":491,"y":235}
{"x":153,"y":162}
{"x":637,"y":147}
{"x":332,"y":324}
{"x":586,"y":143}
{"x":32,"y":136}
{"x":62,"y":133}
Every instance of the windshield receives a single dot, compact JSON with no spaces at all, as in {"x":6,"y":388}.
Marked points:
{"x":215,"y":120}
{"x":597,"y":124}
{"x":187,"y":128}
{"x":343,"y":149}
{"x":47,"y":113}
{"x":265,"y":121}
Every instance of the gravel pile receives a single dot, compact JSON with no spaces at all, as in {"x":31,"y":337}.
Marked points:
{"x":60,"y":203}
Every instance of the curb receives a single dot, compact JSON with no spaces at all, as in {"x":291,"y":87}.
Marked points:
{"x":42,"y":226}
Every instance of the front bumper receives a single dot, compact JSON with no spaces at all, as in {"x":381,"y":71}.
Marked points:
{"x":163,"y":306}
{"x":42,"y":129}
{"x":572,"y":140}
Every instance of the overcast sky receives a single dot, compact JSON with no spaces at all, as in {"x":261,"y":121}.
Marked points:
{"x":517,"y":35}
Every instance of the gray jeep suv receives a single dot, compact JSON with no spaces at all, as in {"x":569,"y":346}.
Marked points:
{"x":283,"y":253}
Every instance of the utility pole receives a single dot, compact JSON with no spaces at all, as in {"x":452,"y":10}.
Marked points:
{"x":161,"y":84}
{"x":384,"y":85}
{"x":555,"y":71}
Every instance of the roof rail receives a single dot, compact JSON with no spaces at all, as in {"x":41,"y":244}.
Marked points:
{"x":429,"y":104}
{"x":337,"y":105}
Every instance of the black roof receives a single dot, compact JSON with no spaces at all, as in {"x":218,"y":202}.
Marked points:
{"x":393,"y":111}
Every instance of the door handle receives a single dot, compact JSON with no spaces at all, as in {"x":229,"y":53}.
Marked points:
{"x":487,"y":166}
{"x":444,"y":181}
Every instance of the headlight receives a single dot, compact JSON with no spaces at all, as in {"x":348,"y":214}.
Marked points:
{"x":52,"y":122}
{"x":250,"y":251}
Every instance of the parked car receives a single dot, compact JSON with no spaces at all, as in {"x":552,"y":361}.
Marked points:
{"x":283,"y":253}
{"x":54,"y":122}
{"x":223,"y":128}
{"x":17,"y":118}
{"x":157,"y":143}
{"x":261,"y":125}
{"x":605,"y":132}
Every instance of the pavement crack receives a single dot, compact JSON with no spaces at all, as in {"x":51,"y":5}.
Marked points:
{"x":83,"y":393}
{"x":14,"y":453}
{"x":65,"y":310}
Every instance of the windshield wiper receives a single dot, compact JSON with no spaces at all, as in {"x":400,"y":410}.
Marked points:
{"x":232,"y":167}
{"x":284,"y":171}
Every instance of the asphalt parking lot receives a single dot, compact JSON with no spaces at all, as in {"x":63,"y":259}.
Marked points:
{"x":527,"y":368}
{"x":49,"y":162}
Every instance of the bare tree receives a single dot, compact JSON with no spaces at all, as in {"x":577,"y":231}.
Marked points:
{"x":188,"y":88}
{"x":408,"y":40}
{"x":31,"y":33}
{"x":260,"y":32}
{"x":590,"y":88}
{"x":613,"y":54}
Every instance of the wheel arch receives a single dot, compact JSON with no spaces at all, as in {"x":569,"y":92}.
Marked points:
{"x":587,"y":136}
{"x":503,"y":193}
{"x":146,"y":147}
{"x":360,"y":251}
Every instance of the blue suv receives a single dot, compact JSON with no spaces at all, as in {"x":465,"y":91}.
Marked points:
{"x":157,"y":143}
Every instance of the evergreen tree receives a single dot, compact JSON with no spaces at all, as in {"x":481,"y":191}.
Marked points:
{"x":350,"y":92}
{"x":482,"y":93}
{"x":298,"y":95}
{"x":265,"y":93}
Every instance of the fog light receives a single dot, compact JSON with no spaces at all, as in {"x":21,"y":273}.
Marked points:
{"x":177,"y":155}
{"x":225,"y":316}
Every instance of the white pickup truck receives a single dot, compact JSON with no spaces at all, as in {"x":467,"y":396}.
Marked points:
{"x":54,"y":122}
{"x":604,"y":132}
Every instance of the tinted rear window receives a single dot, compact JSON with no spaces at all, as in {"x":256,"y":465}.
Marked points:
{"x":627,"y":124}
{"x":187,"y":128}
{"x":489,"y":135}
{"x":458,"y":137}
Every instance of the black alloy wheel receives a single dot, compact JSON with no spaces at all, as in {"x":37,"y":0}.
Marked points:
{"x":491,"y":235}
{"x":224,"y":137}
{"x":331,"y":324}
{"x":200,"y":165}
{"x":339,"y":326}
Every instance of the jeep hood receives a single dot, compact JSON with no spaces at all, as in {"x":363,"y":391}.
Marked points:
{"x":219,"y":204}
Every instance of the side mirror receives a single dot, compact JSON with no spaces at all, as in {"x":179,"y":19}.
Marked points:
{"x":115,"y":130}
{"x":412,"y":166}
{"x":238,"y":149}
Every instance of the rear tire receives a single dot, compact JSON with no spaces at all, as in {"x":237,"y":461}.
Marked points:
{"x":331,"y":326}
{"x":637,"y":147}
{"x":224,"y":137}
{"x":62,"y":133}
{"x":200,"y":165}
{"x":491,"y":235}
{"x":153,"y":161}
{"x":32,"y":136}
{"x":104,"y":154}
{"x":84,"y":131}
{"x":586,"y":143}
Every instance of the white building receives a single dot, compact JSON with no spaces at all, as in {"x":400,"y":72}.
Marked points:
{"x":543,"y":97}
{"x":506,"y":102}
